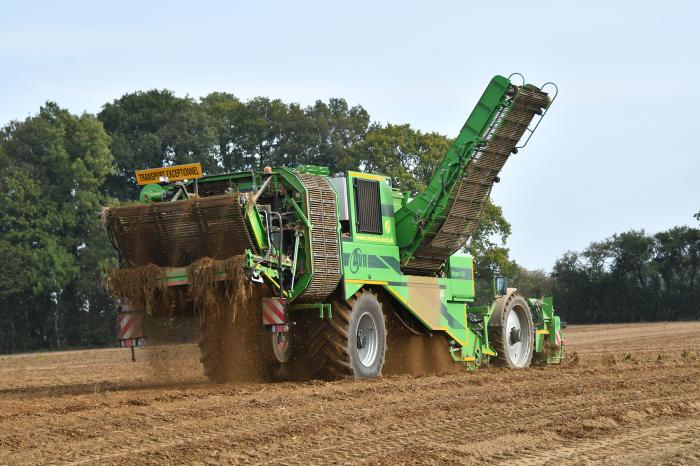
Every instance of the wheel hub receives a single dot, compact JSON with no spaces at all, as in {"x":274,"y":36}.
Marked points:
{"x":281,"y":346}
{"x":367,"y":342}
{"x":361,"y":339}
{"x":516,"y":335}
{"x":517,"y":339}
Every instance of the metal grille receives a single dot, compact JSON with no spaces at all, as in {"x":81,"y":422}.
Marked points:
{"x":367,"y":206}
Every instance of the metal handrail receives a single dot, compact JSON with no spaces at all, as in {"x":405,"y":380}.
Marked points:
{"x":539,"y":120}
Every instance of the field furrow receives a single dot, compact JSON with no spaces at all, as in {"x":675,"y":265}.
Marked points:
{"x":627,"y":394}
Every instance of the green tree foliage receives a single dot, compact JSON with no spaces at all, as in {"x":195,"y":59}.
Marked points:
{"x":264,"y":132}
{"x":336,"y":128}
{"x":151,"y":129}
{"x":52,"y":169}
{"x":408,"y":155}
{"x":631,"y":276}
{"x":531,"y":283}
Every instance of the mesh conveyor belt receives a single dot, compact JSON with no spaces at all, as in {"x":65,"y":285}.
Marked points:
{"x":178,"y":233}
{"x":469,"y":196}
{"x":324,"y":238}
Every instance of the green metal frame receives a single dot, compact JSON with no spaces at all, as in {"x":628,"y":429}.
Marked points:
{"x":546,"y":333}
{"x":325,"y":310}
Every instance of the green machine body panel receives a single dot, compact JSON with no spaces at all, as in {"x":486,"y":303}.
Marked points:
{"x":372,"y":259}
{"x":460,"y":268}
{"x":549,"y":337}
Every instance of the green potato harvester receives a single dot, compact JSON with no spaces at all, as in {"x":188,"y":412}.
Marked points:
{"x":341,"y":259}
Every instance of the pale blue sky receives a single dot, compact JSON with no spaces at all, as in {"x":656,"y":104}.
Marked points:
{"x":618,"y":150}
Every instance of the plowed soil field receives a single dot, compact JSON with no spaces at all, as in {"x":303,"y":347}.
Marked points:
{"x":627,"y":394}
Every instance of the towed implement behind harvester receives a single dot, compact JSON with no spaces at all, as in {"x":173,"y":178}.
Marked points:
{"x":328,"y":263}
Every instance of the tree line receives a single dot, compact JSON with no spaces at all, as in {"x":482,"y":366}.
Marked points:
{"x":629,"y":277}
{"x":58,"y":169}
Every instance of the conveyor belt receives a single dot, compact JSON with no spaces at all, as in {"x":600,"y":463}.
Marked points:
{"x":324,"y":238}
{"x":469,"y":196}
{"x":178,"y":233}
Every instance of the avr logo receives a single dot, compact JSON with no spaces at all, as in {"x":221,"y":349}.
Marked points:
{"x":357,"y":260}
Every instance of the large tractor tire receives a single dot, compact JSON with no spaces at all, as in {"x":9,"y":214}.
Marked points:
{"x":512,"y":332}
{"x":351,"y":343}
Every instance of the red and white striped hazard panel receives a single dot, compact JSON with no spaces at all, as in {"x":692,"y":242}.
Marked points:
{"x":130,"y":325}
{"x":273,"y":311}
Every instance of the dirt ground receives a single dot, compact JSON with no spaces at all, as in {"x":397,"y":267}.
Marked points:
{"x":627,"y":394}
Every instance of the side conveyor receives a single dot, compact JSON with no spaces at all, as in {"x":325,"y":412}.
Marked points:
{"x":453,"y":213}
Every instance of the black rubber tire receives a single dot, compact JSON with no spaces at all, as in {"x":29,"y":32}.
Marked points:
{"x":332,"y":342}
{"x":498,"y":333}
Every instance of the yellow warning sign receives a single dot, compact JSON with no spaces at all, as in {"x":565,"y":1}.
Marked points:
{"x":169,"y":174}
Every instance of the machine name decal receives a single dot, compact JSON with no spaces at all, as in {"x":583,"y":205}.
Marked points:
{"x":461,"y":272}
{"x":357,"y":260}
